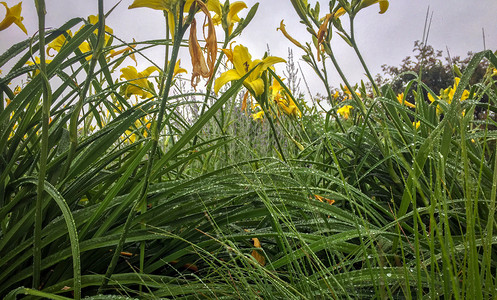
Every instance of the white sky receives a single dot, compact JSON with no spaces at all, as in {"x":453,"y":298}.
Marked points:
{"x":383,"y":39}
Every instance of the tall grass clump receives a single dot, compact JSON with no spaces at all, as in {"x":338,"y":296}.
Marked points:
{"x":115,"y":181}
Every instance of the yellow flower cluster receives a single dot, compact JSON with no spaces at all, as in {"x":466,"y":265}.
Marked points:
{"x":447,"y":95}
{"x":84,"y":47}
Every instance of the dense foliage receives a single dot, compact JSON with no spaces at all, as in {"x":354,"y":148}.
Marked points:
{"x":117,"y":181}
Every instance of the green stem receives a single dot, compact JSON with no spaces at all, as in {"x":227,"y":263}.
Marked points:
{"x":359,"y":55}
{"x":166,"y":57}
{"x":40,"y":9}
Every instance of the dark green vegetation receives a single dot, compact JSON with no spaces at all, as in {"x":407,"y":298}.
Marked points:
{"x":93,"y":200}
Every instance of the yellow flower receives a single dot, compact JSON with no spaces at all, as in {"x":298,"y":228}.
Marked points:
{"x":365,"y":3}
{"x":465,"y":93}
{"x":37,"y":62}
{"x":93,"y":19}
{"x":242,"y":61}
{"x":232,"y":16}
{"x":178,"y":69}
{"x":289,"y":107}
{"x":432,"y":99}
{"x":168,"y":5}
{"x":58,"y":43}
{"x":201,"y":68}
{"x":345,"y":111}
{"x":138,"y":83}
{"x":131,"y":48}
{"x":416,"y":124}
{"x":284,"y":101}
{"x":348,"y":93}
{"x":13,"y":16}
{"x":400,"y":97}
{"x":258,"y":115}
{"x":85,"y":47}
{"x":143,"y":124}
{"x":448,"y":95}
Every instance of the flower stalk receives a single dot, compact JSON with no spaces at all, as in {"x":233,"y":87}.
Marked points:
{"x":41,"y":11}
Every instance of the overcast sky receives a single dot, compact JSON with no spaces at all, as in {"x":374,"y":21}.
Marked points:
{"x":383,"y":38}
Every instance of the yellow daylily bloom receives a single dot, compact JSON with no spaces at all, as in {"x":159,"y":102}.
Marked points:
{"x":131,"y":47}
{"x":37,"y":62}
{"x":13,"y":16}
{"x":138,"y":83}
{"x":178,"y":69}
{"x":465,"y":94}
{"x":347,"y":92}
{"x":93,"y":19}
{"x":168,"y":5}
{"x":400,"y":97}
{"x":336,"y":95}
{"x":345,"y":111}
{"x":58,"y":43}
{"x":432,"y":99}
{"x":85,"y":47}
{"x":289,"y":107}
{"x":232,"y":16}
{"x":259,"y":115}
{"x":242,"y":61}
{"x":284,"y":101}
{"x":383,"y":4}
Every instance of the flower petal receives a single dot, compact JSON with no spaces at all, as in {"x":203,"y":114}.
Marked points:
{"x":13,"y":16}
{"x":148,"y":71}
{"x":241,"y":59}
{"x":153,"y":4}
{"x":226,"y":77}
{"x":257,"y":86}
{"x":235,"y":8}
